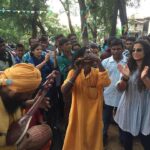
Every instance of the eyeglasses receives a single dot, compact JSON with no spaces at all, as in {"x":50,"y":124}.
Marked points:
{"x":137,"y":50}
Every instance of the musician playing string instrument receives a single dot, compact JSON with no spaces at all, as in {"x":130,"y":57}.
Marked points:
{"x":24,"y":80}
{"x":86,"y":82}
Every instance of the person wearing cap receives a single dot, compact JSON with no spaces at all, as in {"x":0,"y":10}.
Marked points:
{"x":18,"y":83}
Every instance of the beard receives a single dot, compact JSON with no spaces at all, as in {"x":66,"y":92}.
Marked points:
{"x":11,"y":103}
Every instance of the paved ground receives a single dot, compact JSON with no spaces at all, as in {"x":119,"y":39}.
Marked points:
{"x":113,"y":142}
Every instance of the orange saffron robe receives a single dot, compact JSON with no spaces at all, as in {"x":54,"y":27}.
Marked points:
{"x":85,"y":127}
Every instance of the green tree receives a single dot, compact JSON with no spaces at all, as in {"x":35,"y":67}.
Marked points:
{"x":26,"y":19}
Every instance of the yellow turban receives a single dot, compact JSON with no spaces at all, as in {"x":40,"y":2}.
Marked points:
{"x":25,"y":77}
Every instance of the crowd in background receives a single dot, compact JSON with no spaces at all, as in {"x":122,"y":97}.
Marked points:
{"x":126,"y":98}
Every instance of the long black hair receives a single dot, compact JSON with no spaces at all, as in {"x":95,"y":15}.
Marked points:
{"x":146,"y":62}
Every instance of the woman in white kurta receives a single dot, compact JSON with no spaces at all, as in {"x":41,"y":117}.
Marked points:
{"x":133,"y":113}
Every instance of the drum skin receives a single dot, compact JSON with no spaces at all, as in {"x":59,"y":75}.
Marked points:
{"x":40,"y":135}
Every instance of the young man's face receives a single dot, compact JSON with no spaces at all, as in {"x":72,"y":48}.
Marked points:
{"x":95,"y":51}
{"x":73,"y":39}
{"x":67,"y":46}
{"x":44,"y":44}
{"x":19,"y":52}
{"x":129,"y":45}
{"x":33,"y":41}
{"x":116,"y":51}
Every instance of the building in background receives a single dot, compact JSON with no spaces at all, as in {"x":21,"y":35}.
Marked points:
{"x":139,"y":26}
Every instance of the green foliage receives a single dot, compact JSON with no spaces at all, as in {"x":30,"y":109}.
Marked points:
{"x":17,"y":26}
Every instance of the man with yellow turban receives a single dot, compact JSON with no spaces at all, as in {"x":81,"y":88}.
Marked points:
{"x":17,"y":84}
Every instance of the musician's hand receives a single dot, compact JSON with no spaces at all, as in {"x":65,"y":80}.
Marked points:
{"x":45,"y":104}
{"x":78,"y":64}
{"x":50,"y":79}
{"x":25,"y":143}
{"x":92,"y":57}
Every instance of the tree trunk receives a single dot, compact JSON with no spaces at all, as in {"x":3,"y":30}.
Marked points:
{"x":114,"y":18}
{"x":95,"y":35}
{"x":34,"y":28}
{"x":39,"y":24}
{"x":94,"y":32}
{"x":69,"y":21}
{"x":93,"y":11}
{"x":95,"y":28}
{"x":66,"y":6}
{"x":84,"y":28}
{"x":123,"y":16}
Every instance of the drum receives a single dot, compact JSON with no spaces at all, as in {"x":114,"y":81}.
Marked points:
{"x":40,"y":135}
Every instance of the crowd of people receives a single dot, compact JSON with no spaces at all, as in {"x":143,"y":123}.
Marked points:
{"x":88,"y":88}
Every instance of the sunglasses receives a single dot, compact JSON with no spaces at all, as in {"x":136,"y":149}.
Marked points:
{"x":137,"y":50}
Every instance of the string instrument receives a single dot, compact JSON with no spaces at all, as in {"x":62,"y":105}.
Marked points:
{"x":18,"y":129}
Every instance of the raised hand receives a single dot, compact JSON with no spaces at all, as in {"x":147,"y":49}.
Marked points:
{"x":47,"y":57}
{"x":124,"y":70}
{"x":144,"y":72}
{"x":50,"y":79}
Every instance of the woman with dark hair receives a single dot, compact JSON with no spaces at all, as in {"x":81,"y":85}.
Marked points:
{"x":54,"y":115}
{"x":133,"y":113}
{"x":43,"y":63}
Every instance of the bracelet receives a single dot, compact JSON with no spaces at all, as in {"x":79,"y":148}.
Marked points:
{"x":124,"y":79}
{"x":69,"y":81}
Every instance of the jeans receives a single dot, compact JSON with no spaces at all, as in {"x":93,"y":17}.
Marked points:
{"x":107,"y":116}
{"x":127,"y":140}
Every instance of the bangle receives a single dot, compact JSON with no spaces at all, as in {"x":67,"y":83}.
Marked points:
{"x":124,"y":79}
{"x":69,"y":81}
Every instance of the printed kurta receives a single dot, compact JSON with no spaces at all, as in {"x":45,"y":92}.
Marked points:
{"x":85,"y":125}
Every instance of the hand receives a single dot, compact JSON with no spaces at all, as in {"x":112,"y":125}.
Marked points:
{"x":92,"y":57}
{"x":124,"y":70}
{"x":45,"y":104}
{"x":93,"y":60}
{"x":78,"y":64}
{"x":47,"y":57}
{"x":144,"y":72}
{"x":50,"y":79}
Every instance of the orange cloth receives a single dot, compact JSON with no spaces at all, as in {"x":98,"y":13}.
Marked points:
{"x":85,"y":127}
{"x":6,"y":120}
{"x":25,"y":77}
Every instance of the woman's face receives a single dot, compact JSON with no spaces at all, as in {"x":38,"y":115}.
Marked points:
{"x":138,"y":52}
{"x":37,"y":52}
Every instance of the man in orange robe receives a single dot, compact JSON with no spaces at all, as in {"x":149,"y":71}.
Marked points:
{"x":85,"y":127}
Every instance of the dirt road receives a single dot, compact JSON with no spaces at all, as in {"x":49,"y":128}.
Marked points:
{"x":113,"y":140}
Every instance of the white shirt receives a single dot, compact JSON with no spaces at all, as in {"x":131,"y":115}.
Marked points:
{"x":111,"y":94}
